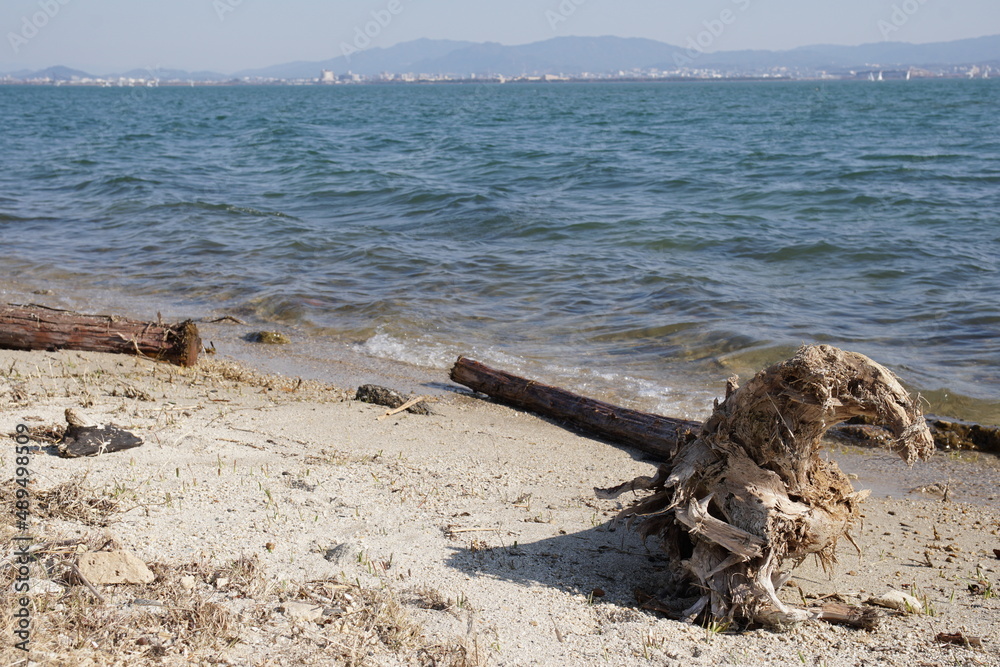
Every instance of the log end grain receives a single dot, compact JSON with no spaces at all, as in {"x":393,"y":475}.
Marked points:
{"x":187,"y":344}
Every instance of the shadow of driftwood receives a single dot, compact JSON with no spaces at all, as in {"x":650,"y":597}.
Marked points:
{"x":608,"y":563}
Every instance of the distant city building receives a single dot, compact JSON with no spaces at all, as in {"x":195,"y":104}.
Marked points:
{"x":327,"y":76}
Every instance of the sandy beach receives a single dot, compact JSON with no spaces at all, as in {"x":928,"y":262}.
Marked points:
{"x":288,"y":524}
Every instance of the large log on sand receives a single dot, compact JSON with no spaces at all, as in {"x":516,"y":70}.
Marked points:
{"x":653,"y":434}
{"x":748,"y":492}
{"x":42,"y":328}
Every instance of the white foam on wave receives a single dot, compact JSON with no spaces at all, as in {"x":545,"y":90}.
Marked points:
{"x":430,"y":353}
{"x":417,"y":352}
{"x":685,"y":402}
{"x":689,"y":402}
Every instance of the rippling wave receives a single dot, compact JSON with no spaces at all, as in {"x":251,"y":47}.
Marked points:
{"x":640,"y":240}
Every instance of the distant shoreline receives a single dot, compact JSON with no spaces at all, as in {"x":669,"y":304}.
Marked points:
{"x":142,"y":83}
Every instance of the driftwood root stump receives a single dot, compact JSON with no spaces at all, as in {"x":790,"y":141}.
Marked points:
{"x":750,"y":492}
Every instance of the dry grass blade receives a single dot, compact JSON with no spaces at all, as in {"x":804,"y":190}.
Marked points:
{"x":48,"y":433}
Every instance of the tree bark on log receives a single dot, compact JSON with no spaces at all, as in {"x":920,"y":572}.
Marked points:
{"x":42,"y":328}
{"x":740,"y":495}
{"x":649,"y":433}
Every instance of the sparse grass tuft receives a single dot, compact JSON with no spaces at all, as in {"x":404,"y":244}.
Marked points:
{"x":431,"y":598}
{"x":221,"y":371}
{"x":73,"y":500}
{"x":714,"y":628}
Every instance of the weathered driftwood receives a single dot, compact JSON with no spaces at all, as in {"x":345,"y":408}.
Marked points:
{"x":740,"y":495}
{"x":85,"y":438}
{"x":751,"y":493}
{"x":865,"y":618}
{"x":652,"y":434}
{"x":42,"y":328}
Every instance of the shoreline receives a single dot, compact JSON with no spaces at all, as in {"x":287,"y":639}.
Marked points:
{"x":476,"y":527}
{"x":681,"y":388}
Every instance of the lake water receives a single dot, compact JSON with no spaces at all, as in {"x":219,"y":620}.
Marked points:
{"x":639,"y":242}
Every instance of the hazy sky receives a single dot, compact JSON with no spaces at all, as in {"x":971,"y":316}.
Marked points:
{"x":104,"y":36}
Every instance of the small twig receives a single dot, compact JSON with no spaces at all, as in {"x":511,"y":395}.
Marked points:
{"x":225,"y":318}
{"x":456,"y":531}
{"x":86,"y":582}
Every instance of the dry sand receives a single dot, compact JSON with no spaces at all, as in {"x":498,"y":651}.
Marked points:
{"x":471,"y":536}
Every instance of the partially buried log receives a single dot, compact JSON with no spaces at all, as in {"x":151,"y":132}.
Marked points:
{"x":85,"y":438}
{"x":653,"y":434}
{"x":748,"y":492}
{"x":42,"y":328}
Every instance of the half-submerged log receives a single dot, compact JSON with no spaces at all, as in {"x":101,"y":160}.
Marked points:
{"x":42,"y":328}
{"x":751,"y":493}
{"x":653,"y":434}
{"x":660,"y":436}
{"x":955,"y":434}
{"x":949,"y":434}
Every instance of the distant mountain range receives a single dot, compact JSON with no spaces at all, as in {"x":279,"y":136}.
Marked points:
{"x":575,"y":56}
{"x":406,"y":57}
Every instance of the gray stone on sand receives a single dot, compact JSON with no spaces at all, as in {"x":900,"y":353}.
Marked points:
{"x":390,"y":398}
{"x":341,"y":555}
